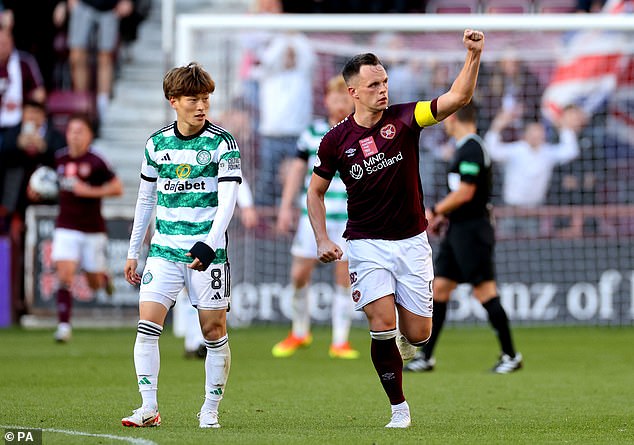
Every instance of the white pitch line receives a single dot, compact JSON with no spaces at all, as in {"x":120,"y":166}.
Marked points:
{"x":131,"y":440}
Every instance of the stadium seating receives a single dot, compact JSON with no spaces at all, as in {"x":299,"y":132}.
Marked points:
{"x":554,"y":6}
{"x":506,"y":7}
{"x":452,"y":7}
{"x":62,"y":104}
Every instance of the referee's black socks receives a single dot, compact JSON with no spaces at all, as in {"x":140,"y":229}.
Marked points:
{"x":438,"y":319}
{"x":500,"y":323}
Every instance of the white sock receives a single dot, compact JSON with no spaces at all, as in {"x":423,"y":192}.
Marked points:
{"x":403,"y":406}
{"x":147,"y":361}
{"x":217,"y":365}
{"x":301,"y":312}
{"x":193,"y":334}
{"x":342,"y":307}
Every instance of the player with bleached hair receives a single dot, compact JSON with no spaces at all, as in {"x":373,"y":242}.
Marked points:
{"x":304,"y":250}
{"x":190,"y":174}
{"x":375,"y":151}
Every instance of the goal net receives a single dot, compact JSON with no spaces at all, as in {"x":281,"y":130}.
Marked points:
{"x":564,"y":246}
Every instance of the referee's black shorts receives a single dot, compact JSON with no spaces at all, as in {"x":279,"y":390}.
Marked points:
{"x":465,"y":254}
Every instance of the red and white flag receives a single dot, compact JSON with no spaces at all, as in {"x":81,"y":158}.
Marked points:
{"x":595,"y":70}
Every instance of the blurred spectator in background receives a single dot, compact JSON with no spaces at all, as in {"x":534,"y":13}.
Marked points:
{"x":35,"y":31}
{"x":508,"y":86}
{"x":6,"y":16}
{"x":79,"y":239}
{"x":129,"y":26}
{"x":407,"y":76}
{"x":26,"y":146}
{"x":286,"y":105}
{"x":84,"y":16}
{"x":29,"y":144}
{"x":582,"y":181}
{"x":433,"y":165}
{"x":20,"y":80}
{"x":589,"y":5}
{"x":529,"y":162}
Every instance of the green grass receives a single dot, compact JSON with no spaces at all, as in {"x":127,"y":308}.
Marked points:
{"x":577,"y":387}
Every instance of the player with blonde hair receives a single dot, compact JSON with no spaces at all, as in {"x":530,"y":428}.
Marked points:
{"x":304,"y":249}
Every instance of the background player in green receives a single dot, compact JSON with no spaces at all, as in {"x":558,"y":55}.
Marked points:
{"x":304,"y":250}
{"x":190,"y":173}
{"x":465,"y":254}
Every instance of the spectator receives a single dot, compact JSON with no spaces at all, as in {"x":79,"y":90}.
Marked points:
{"x":25,"y":147}
{"x":286,"y":104}
{"x":407,"y":77}
{"x":589,"y":5}
{"x":20,"y":79}
{"x":84,"y":15}
{"x":529,"y":162}
{"x":6,"y":16}
{"x":508,"y":86}
{"x":31,"y":143}
{"x":582,"y":181}
{"x":79,"y":240}
{"x":129,"y":26}
{"x":41,"y":43}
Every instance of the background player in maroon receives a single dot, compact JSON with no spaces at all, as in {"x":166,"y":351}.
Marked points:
{"x":79,"y":240}
{"x":375,"y":151}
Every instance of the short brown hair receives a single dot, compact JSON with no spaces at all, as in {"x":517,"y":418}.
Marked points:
{"x":86,"y":119}
{"x":190,"y":80}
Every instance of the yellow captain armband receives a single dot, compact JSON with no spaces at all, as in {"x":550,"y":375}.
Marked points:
{"x":423,"y":113}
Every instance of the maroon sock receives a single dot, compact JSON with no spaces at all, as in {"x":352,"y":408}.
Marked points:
{"x":389,"y":365}
{"x":64,"y":304}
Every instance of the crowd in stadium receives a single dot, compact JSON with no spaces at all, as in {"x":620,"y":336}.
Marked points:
{"x":64,"y":68}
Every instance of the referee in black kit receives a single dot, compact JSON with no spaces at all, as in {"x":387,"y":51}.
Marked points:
{"x":465,"y":254}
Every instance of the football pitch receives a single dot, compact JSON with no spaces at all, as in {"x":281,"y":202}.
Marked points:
{"x":577,"y":387}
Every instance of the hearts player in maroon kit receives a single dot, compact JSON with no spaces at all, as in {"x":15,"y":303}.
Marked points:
{"x":375,"y":151}
{"x":79,"y":240}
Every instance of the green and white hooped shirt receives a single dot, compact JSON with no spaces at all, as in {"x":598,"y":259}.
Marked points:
{"x":187,"y":170}
{"x":336,"y":198}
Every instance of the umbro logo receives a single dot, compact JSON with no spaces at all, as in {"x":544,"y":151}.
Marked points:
{"x":216,"y":296}
{"x":350,"y":152}
{"x":166,"y":157}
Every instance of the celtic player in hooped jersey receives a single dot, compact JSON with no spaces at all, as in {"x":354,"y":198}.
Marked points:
{"x":190,"y":175}
{"x":304,"y":250}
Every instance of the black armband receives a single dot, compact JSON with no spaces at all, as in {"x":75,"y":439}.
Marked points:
{"x":203,"y":252}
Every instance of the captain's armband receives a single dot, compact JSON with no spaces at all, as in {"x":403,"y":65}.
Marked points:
{"x":425,"y":113}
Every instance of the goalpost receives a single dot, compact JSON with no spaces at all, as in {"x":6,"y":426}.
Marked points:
{"x":574,"y":265}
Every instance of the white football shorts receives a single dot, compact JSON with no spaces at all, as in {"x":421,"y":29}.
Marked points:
{"x":304,"y":244}
{"x":163,"y":280}
{"x":86,"y":249}
{"x":383,"y":267}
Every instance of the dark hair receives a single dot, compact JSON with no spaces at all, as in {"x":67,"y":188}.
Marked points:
{"x":34,"y":104}
{"x":468,"y":113}
{"x":86,"y":119}
{"x":190,"y":80}
{"x":353,"y":66}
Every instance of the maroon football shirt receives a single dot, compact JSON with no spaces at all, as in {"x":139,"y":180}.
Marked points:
{"x":75,"y":213}
{"x":379,"y":167}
